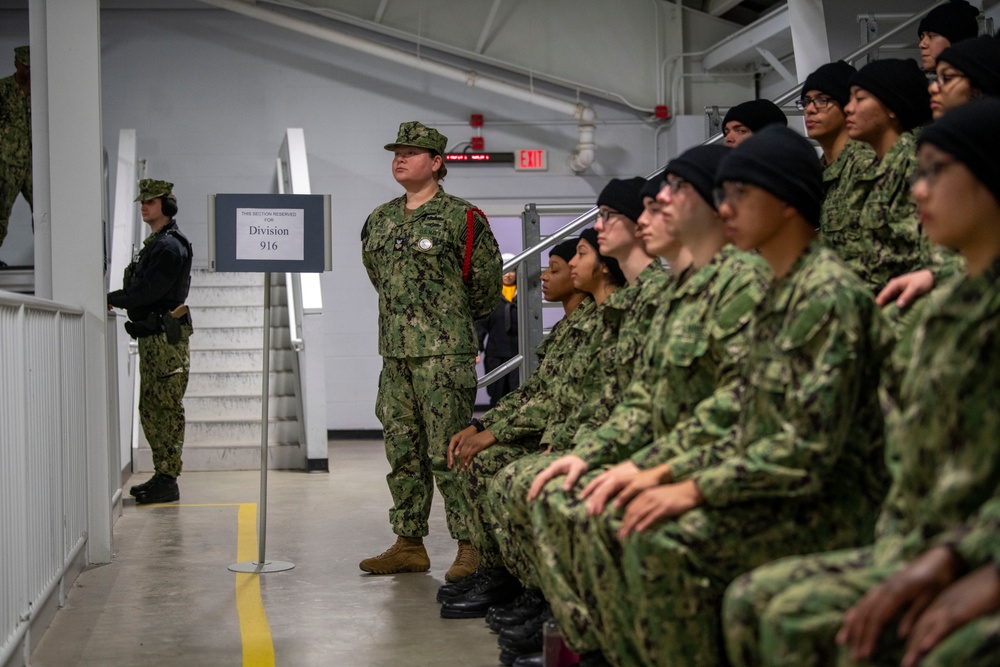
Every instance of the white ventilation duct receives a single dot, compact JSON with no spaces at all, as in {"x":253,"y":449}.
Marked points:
{"x":581,"y":159}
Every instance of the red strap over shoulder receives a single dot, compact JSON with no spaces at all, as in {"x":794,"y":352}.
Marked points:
{"x":470,"y":220}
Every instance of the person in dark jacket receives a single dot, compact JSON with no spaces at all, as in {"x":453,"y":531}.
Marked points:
{"x":498,"y":337}
{"x":153,"y":291}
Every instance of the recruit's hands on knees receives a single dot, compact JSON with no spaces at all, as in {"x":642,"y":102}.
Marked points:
{"x":465,"y":444}
{"x":906,"y":289}
{"x":570,"y":465}
{"x":974,"y":595}
{"x":659,"y":503}
{"x":647,"y":479}
{"x":607,"y":485}
{"x":906,"y":593}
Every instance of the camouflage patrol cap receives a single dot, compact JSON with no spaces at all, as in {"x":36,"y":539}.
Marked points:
{"x":419,"y":135}
{"x":150,"y":188}
{"x":22,"y":54}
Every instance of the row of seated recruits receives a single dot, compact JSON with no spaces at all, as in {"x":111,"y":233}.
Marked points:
{"x":746,"y":401}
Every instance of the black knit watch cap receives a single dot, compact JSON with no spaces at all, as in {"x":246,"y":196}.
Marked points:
{"x":955,"y":21}
{"x":564,"y":249}
{"x":652,"y":186}
{"x":971,"y":134}
{"x":833,"y":79}
{"x":782,"y":162}
{"x":901,"y":86}
{"x":756,"y":114}
{"x":979,"y":60}
{"x":698,"y":167}
{"x":590,"y":236}
{"x":624,"y":196}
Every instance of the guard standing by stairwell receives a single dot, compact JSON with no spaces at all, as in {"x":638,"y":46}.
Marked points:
{"x":155,"y":286}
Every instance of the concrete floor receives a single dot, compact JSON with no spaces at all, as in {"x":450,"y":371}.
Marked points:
{"x":167,"y":598}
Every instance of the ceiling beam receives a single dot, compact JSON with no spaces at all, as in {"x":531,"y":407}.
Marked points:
{"x":720,"y":7}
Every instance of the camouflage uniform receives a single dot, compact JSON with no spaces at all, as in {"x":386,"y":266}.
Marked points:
{"x":686,"y":382}
{"x":15,"y":145}
{"x":157,"y":282}
{"x":628,"y":314}
{"x":874,"y":227}
{"x":520,"y":418}
{"x":795,"y":474}
{"x":427,"y":338}
{"x":844,"y":196}
{"x":941,"y":441}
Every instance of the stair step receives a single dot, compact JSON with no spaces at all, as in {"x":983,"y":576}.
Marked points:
{"x":217,"y":433}
{"x":236,"y":316}
{"x":225,"y":296}
{"x":229,"y":361}
{"x":204,"y":408}
{"x":227,"y":279}
{"x":238,"y":384}
{"x":239,"y":338}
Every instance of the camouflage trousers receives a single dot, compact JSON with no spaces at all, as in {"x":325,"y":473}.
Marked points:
{"x":163,"y":378}
{"x":789,"y":612}
{"x":476,"y":482}
{"x":422,"y":402}
{"x":659,"y":592}
{"x":562,"y":550}
{"x":14,"y":180}
{"x":510,"y":515}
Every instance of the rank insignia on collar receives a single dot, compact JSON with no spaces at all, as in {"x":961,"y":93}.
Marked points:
{"x":425,"y":244}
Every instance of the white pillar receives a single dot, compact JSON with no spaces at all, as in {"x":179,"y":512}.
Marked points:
{"x":69,"y":109}
{"x":809,"y":40}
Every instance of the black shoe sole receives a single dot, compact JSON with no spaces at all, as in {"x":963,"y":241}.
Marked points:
{"x":143,"y":499}
{"x":448,"y":612}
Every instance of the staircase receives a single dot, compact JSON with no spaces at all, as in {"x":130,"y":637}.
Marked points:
{"x":223,"y":399}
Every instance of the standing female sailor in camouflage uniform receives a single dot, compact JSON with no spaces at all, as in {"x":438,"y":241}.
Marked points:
{"x":436,"y":267}
{"x":154,"y":290}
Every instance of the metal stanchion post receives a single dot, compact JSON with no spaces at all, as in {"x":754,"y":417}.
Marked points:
{"x":262,"y":565}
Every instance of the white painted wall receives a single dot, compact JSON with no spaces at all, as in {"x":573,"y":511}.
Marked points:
{"x":210,"y":95}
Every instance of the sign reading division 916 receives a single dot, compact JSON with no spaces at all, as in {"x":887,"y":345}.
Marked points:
{"x":269,"y":233}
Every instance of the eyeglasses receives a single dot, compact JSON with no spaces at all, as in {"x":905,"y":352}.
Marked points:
{"x":820,"y":102}
{"x":605,"y":214}
{"x":930,"y":173}
{"x":674,"y":185}
{"x":944,"y":79}
{"x":728,"y":194}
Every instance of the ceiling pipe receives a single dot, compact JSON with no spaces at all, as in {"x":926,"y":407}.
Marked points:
{"x":579,"y":161}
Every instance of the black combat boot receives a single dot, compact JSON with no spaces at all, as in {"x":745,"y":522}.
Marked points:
{"x":140,"y":488}
{"x":161,"y":489}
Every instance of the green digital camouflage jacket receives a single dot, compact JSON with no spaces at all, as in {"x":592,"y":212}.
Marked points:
{"x":874,"y":227}
{"x":810,"y":422}
{"x":696,"y":342}
{"x":550,"y":405}
{"x":612,"y":356}
{"x":943,"y":426}
{"x":15,"y":124}
{"x":415,"y":262}
{"x":553,"y":353}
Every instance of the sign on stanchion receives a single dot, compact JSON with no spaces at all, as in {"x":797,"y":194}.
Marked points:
{"x":261,"y":234}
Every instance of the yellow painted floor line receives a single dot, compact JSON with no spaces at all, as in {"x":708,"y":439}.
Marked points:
{"x":258,"y":650}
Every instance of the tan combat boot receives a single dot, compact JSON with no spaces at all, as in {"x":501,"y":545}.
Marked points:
{"x":406,"y":555}
{"x":466,"y":562}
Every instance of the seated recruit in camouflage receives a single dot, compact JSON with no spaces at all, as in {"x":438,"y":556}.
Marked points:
{"x":592,"y":273}
{"x":686,"y":382}
{"x":15,"y":137}
{"x":435,"y":266}
{"x":941,"y":444}
{"x":616,"y":362}
{"x":873,"y":224}
{"x":793,"y":472}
